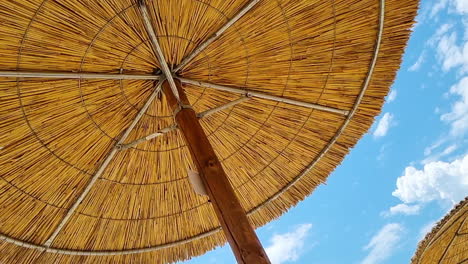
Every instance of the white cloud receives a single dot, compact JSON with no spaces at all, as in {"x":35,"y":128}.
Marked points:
{"x":383,"y":125}
{"x":431,"y":148}
{"x":444,"y":28}
{"x":451,"y":54}
{"x":417,"y":65}
{"x":438,"y":7}
{"x":438,"y":180}
{"x":287,"y":247}
{"x":461,"y":6}
{"x":402,"y":209}
{"x":382,"y":245}
{"x":435,"y":157}
{"x":392,"y":95}
{"x":457,"y":6}
{"x":441,"y":31}
{"x":421,"y":18}
{"x":382,"y":152}
{"x":458,"y":117}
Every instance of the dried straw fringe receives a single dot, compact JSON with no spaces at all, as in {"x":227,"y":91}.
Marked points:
{"x":299,"y":139}
{"x":423,"y":251}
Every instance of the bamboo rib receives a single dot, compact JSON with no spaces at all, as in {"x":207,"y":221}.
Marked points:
{"x":156,"y":47}
{"x":216,"y":35}
{"x":104,"y":165}
{"x":104,"y":253}
{"x":264,"y":96}
{"x":78,"y":75}
{"x":222,"y":107}
{"x":173,"y":127}
{"x":149,"y":137}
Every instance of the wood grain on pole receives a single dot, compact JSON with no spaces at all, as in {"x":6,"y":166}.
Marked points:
{"x":237,"y":228}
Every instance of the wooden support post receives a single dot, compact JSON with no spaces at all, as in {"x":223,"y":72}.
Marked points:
{"x":240,"y":234}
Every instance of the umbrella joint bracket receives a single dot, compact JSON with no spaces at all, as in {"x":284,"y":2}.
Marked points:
{"x":179,"y":107}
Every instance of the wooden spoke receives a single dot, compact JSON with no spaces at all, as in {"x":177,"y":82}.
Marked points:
{"x":156,"y":47}
{"x":173,"y":127}
{"x":77,"y":75}
{"x":103,"y":166}
{"x":216,"y":35}
{"x":264,"y":96}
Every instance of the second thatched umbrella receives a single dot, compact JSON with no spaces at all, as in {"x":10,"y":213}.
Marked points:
{"x":447,"y":242}
{"x":107,"y":105}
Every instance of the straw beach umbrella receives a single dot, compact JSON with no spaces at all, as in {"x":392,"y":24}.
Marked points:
{"x":107,"y":107}
{"x":448,"y":241}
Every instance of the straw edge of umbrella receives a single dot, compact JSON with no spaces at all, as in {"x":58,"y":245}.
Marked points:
{"x":257,"y":208}
{"x":426,"y":241}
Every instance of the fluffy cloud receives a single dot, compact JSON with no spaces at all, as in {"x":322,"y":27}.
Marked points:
{"x":458,"y":117}
{"x":402,"y":209}
{"x":451,"y":51}
{"x":383,"y":125}
{"x":437,"y":180}
{"x":382,"y":245}
{"x":437,"y":156}
{"x":392,"y":95}
{"x":441,"y":31}
{"x":287,"y":247}
{"x":461,"y":6}
{"x":438,"y":7}
{"x":458,"y":6}
{"x":417,"y":65}
{"x":451,"y":54}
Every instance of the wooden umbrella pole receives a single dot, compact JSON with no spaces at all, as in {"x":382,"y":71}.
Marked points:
{"x":239,"y":233}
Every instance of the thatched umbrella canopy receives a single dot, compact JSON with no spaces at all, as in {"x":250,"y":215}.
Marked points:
{"x":448,"y":241}
{"x":93,"y":166}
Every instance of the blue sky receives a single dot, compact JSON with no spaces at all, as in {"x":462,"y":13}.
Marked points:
{"x":403,"y":175}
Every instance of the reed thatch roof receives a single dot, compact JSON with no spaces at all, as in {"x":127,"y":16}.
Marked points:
{"x":448,"y":241}
{"x":73,"y":190}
